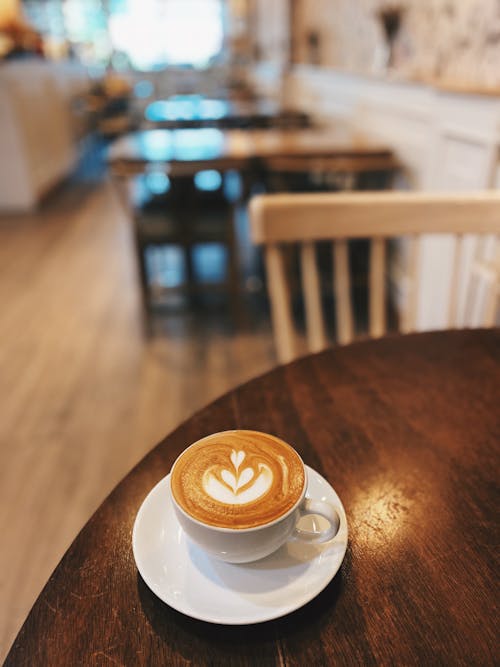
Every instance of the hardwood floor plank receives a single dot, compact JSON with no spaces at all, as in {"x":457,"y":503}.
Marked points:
{"x":83,"y":394}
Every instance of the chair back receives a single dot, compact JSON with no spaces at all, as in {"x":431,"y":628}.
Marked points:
{"x":279,"y":220}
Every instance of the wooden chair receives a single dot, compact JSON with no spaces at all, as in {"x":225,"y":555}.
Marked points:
{"x":279,"y":220}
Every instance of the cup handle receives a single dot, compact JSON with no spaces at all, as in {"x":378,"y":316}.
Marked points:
{"x":321,"y":508}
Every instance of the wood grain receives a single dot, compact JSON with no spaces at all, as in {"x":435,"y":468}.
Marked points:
{"x":407,"y":430}
{"x":83,"y":394}
{"x":285,"y":218}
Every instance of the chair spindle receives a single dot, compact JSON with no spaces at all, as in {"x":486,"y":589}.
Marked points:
{"x":342,"y":289}
{"x":280,"y":303}
{"x":410,"y":313}
{"x":377,"y":287}
{"x":315,"y":326}
{"x":455,"y":273}
{"x":489,"y":272}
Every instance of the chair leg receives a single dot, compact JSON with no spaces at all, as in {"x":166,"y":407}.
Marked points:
{"x":144,"y":285}
{"x":186,"y":242}
{"x":234,"y":271}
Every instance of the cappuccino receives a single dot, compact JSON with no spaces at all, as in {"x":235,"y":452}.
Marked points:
{"x":238,"y":479}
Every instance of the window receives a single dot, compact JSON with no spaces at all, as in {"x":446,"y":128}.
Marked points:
{"x":145,"y":34}
{"x":154,"y":33}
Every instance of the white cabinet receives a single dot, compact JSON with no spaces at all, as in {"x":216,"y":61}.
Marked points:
{"x":37,"y":144}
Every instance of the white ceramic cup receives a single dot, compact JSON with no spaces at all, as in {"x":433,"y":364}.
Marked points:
{"x":245,"y":545}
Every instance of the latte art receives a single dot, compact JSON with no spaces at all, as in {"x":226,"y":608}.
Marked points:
{"x":238,"y":479}
{"x":234,"y":487}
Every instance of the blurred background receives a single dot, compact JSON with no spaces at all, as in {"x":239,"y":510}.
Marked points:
{"x":131,"y":139}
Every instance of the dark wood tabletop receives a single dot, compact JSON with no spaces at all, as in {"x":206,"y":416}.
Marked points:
{"x":185,"y":111}
{"x":212,"y":148}
{"x":407,"y":430}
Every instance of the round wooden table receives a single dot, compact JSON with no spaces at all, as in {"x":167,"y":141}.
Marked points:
{"x":406,"y":429}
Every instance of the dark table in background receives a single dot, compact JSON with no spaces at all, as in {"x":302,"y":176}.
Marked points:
{"x":339,"y":155}
{"x":184,"y":151}
{"x":191,"y":111}
{"x":406,"y":429}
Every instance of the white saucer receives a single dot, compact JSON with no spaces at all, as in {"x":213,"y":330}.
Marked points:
{"x":187,"y":579}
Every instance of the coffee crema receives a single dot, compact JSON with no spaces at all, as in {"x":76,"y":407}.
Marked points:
{"x":238,"y":479}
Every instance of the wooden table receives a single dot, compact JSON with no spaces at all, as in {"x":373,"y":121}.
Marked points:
{"x":258,"y":155}
{"x":406,"y":429}
{"x":186,"y":111}
{"x":209,"y":148}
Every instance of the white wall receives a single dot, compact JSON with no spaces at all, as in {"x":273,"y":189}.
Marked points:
{"x":452,"y":41}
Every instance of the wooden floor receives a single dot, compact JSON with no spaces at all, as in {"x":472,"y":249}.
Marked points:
{"x":83,"y":394}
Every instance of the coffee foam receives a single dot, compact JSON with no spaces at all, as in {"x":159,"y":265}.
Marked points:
{"x":238,"y":479}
